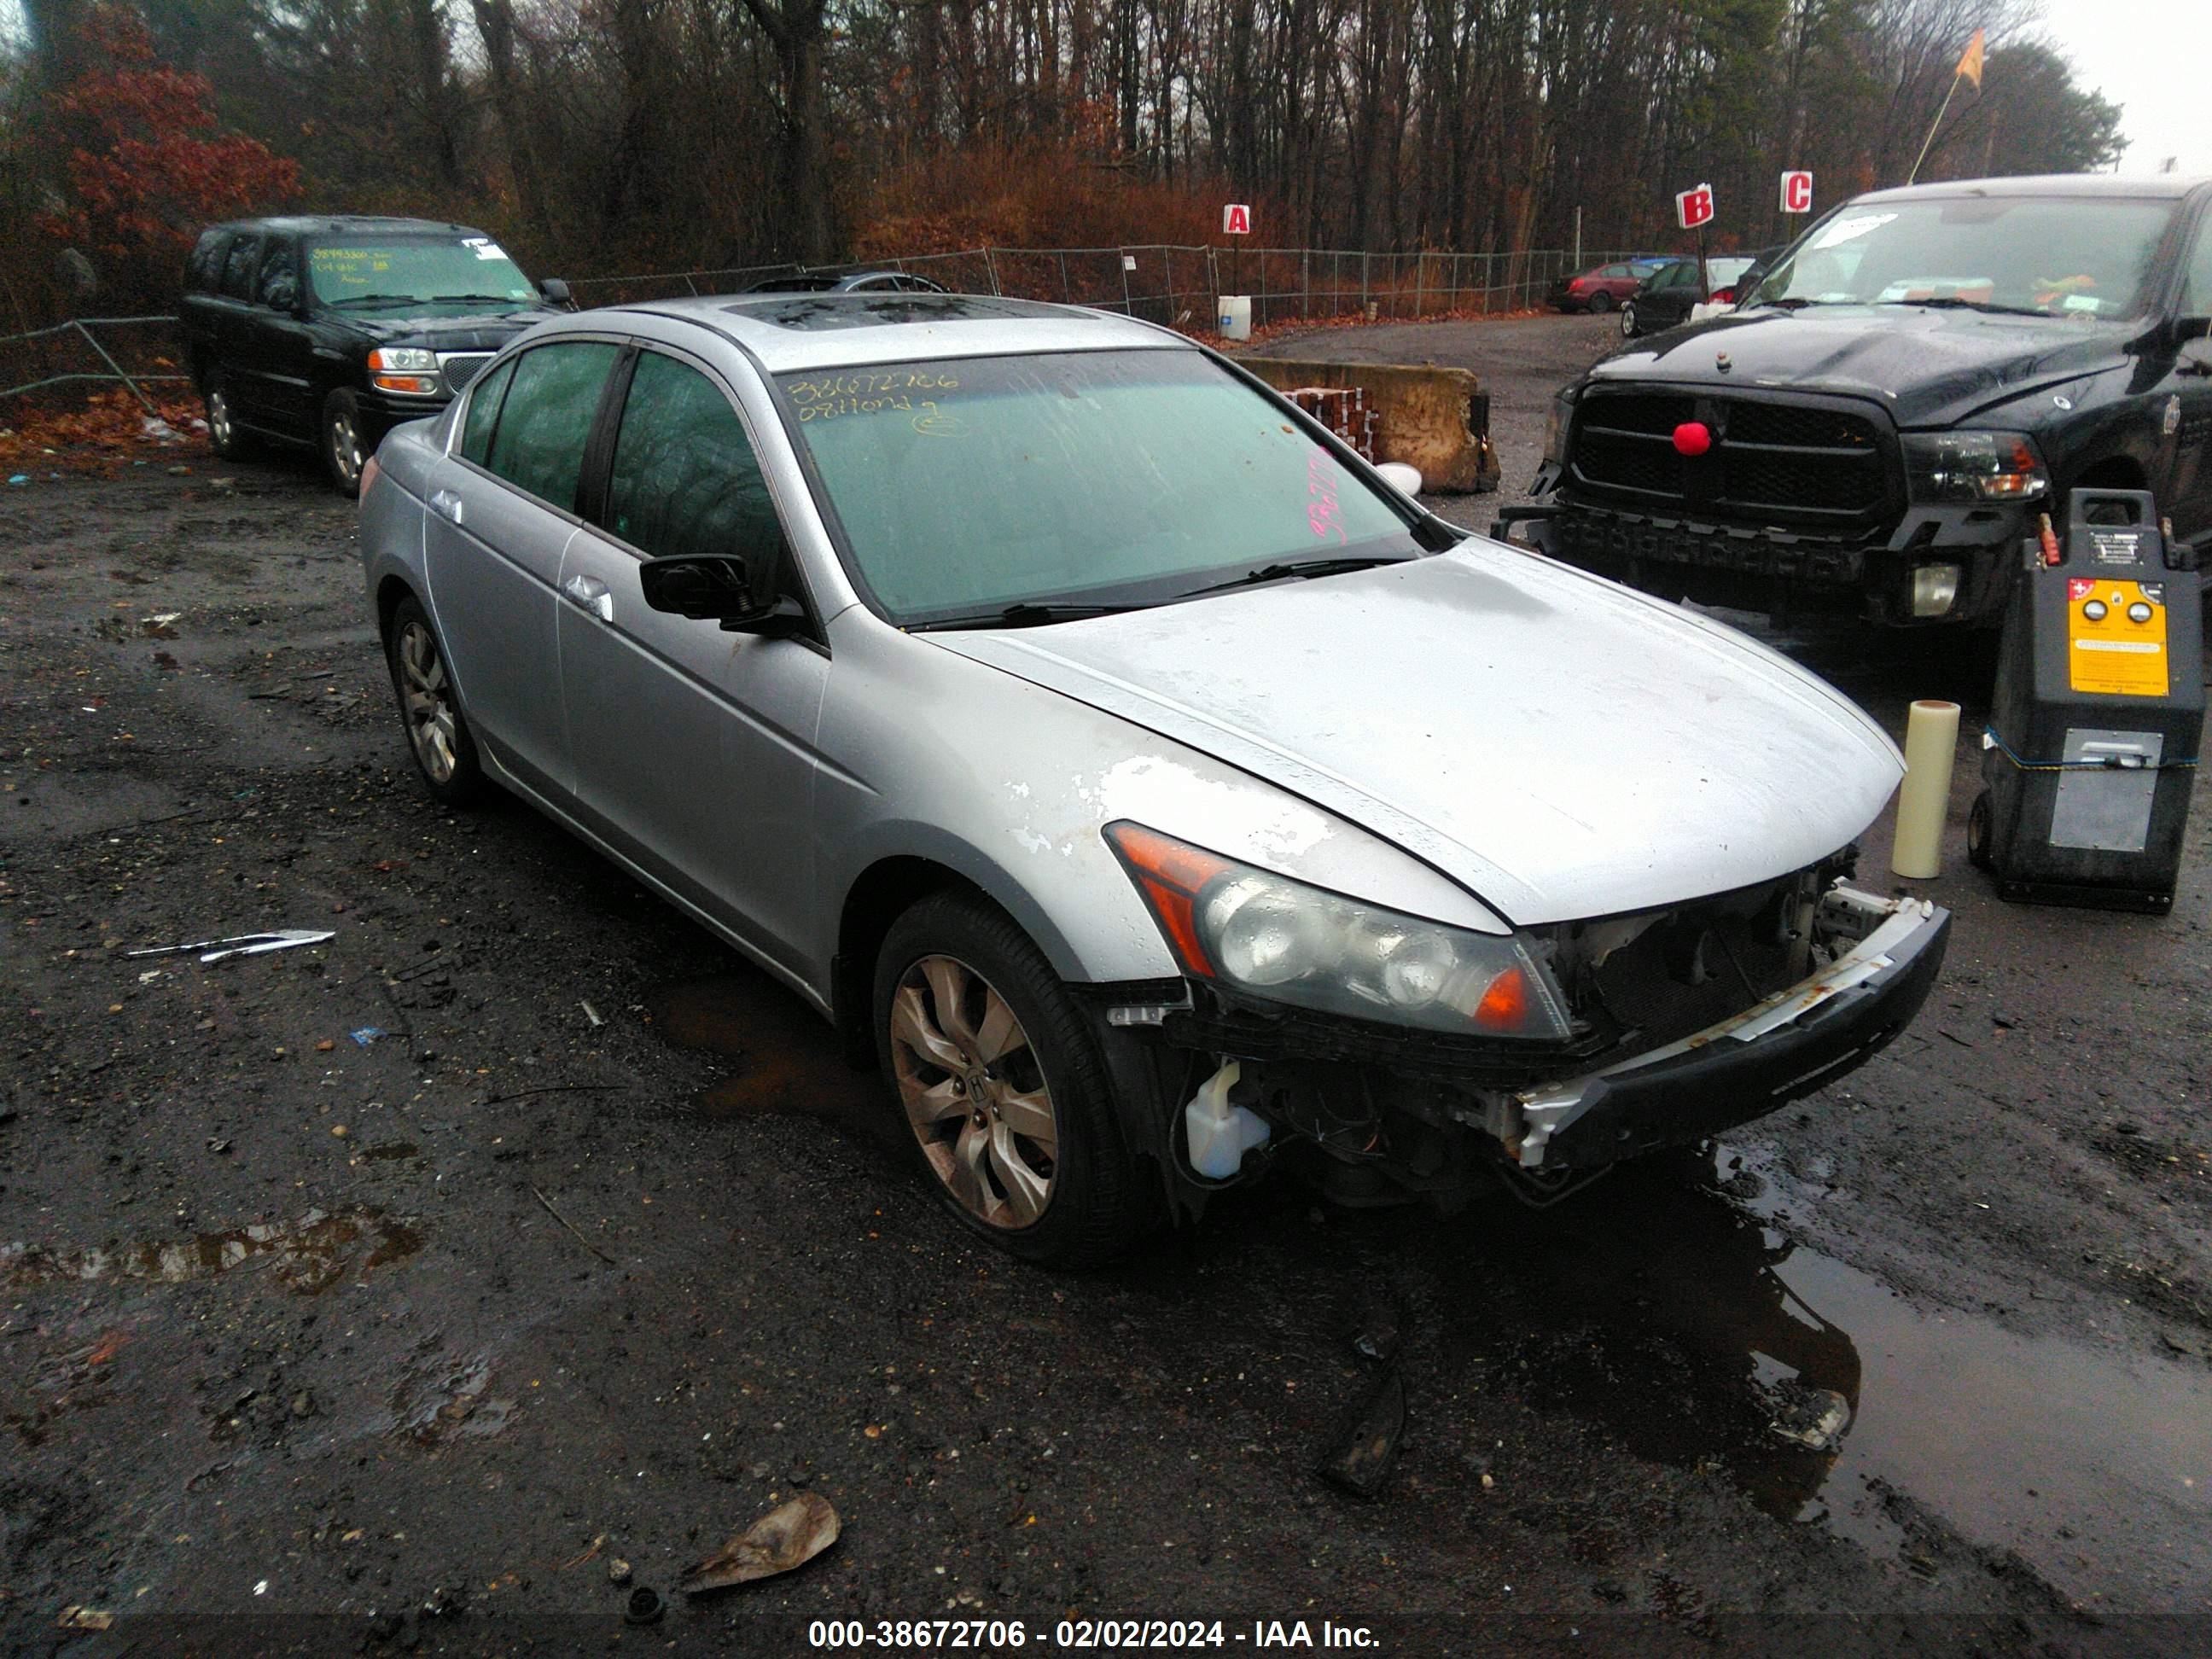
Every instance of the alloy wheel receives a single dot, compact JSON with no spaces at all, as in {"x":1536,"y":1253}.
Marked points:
{"x":974,"y":1092}
{"x":429,"y":698}
{"x":218,"y":418}
{"x":345,"y":447}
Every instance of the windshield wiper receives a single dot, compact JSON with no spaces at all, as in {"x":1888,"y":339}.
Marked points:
{"x":1793,"y":302}
{"x":1027,"y":614}
{"x":379,"y":299}
{"x":1953,"y":302}
{"x":495,"y":299}
{"x":1275,"y":572}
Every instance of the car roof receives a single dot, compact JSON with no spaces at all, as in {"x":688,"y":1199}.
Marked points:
{"x":288,"y":223}
{"x":826,"y":282}
{"x":797,"y":331}
{"x":2087,"y":186}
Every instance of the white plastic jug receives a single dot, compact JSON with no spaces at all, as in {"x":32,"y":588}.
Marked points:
{"x":1235,"y":312}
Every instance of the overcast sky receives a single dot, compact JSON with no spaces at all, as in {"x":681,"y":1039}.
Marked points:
{"x":2153,"y":58}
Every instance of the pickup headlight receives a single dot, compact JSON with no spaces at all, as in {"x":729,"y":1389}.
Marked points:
{"x":1973,"y":466}
{"x":1282,"y":940}
{"x":1555,"y":429}
{"x":408,"y":369}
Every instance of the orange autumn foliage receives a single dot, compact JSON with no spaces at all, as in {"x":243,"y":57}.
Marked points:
{"x":158,"y":165}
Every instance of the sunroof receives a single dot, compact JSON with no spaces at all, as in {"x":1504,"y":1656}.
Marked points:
{"x":826,"y":311}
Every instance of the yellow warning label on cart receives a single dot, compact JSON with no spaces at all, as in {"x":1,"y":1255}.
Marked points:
{"x":2116,"y":637}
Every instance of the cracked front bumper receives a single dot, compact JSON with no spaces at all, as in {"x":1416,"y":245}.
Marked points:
{"x":1752,"y":1063}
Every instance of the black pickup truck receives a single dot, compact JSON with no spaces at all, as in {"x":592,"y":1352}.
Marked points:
{"x":1918,"y":379}
{"x":330,"y":331}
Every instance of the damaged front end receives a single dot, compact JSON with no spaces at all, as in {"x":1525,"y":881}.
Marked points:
{"x":1620,"y":1036}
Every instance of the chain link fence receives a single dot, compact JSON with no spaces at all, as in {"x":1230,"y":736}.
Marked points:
{"x":132,"y":351}
{"x":1177,"y":286}
{"x":1180,"y":286}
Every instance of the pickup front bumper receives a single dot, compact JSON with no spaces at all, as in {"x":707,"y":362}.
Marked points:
{"x":1766,"y":569}
{"x":1751,"y":1064}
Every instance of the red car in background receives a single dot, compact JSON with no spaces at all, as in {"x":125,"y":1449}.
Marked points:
{"x":1603,"y":287}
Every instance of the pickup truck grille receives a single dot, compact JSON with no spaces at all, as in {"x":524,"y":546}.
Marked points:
{"x":1813,"y":466}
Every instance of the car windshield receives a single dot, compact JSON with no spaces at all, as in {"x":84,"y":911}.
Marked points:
{"x":374,"y":272}
{"x":2055,"y":257}
{"x":1110,"y":478}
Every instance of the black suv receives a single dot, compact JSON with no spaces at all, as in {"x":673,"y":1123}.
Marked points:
{"x":1921,"y":376}
{"x":329,"y":331}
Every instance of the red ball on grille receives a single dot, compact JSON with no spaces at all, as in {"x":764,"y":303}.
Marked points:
{"x":1694,"y":438}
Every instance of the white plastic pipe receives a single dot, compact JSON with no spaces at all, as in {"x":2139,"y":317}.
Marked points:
{"x":1931,"y":741}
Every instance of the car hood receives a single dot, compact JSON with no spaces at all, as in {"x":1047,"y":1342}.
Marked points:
{"x":1559,"y":746}
{"x":477,"y":331}
{"x":1929,"y":367}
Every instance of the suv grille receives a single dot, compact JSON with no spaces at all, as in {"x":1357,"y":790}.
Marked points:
{"x":461,"y":367}
{"x":1808,"y":465}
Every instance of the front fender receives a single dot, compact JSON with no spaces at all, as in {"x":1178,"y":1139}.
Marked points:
{"x":930,"y":755}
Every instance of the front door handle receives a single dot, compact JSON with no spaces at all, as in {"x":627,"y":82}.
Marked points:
{"x":592,"y":593}
{"x":446,"y":504}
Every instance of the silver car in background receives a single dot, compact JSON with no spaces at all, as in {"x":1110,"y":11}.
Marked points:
{"x":1150,"y":788}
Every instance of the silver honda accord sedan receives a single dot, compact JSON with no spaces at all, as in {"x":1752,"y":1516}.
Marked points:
{"x":1148,"y":786}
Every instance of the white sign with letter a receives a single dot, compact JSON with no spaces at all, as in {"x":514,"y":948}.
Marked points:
{"x":1236,"y":219}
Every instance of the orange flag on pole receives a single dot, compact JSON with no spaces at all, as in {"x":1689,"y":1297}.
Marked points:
{"x":1969,"y":61}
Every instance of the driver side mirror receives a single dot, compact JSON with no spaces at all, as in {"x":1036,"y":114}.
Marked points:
{"x":556,"y":292}
{"x":722,"y":587}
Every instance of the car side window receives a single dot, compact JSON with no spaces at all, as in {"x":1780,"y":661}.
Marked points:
{"x":538,"y":443}
{"x":685,"y":477}
{"x":279,"y":285}
{"x":484,"y":399}
{"x":204,"y":269}
{"x":238,"y":267}
{"x":1614,"y":271}
{"x":2196,"y":287}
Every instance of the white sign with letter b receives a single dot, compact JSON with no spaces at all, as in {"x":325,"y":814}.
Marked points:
{"x":1693,"y":207}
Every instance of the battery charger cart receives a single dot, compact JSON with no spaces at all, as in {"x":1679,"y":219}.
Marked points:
{"x":2091,"y":747}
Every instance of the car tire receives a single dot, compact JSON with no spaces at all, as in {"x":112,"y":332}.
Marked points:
{"x":229,"y":441}
{"x":438,"y":733}
{"x":1628,"y":329}
{"x":1977,"y":833}
{"x":1601,"y":301}
{"x":343,"y":451}
{"x":976,"y":1035}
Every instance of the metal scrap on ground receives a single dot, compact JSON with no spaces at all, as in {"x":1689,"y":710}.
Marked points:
{"x":243,"y":944}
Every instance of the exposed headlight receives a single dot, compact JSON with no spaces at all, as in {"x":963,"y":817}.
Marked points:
{"x":1973,"y":466}
{"x":408,"y":369}
{"x":1290,"y":943}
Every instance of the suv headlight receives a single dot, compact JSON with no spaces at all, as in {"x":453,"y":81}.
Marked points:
{"x":408,"y":369}
{"x":1282,"y":940}
{"x":1973,"y":466}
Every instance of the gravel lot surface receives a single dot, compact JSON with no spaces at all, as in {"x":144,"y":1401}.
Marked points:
{"x":379,"y":1294}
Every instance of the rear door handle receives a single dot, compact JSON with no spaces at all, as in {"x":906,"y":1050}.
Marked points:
{"x":592,"y":593}
{"x":446,"y":505}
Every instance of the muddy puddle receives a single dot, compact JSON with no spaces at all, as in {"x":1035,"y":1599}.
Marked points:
{"x":1687,"y":1321}
{"x":783,"y":1058}
{"x":306,"y":1256}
